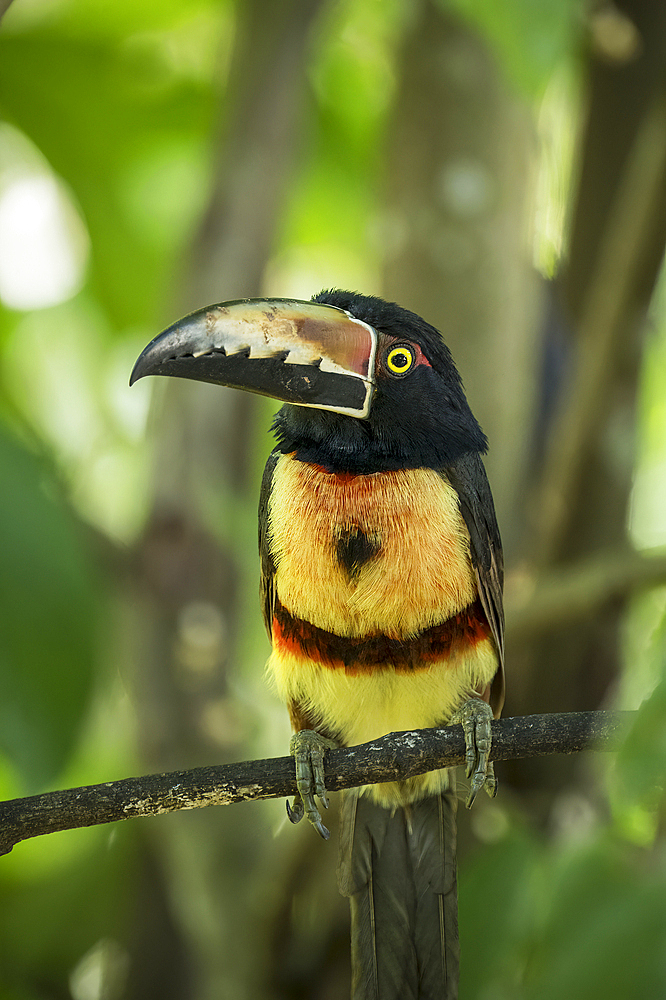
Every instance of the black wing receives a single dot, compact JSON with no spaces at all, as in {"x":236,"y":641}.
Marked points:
{"x":468,"y":478}
{"x":267,"y":578}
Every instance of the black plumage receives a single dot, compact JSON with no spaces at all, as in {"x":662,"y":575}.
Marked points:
{"x":399,"y":870}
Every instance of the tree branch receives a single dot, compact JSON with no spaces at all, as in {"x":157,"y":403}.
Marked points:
{"x":393,"y":757}
{"x":4,"y":6}
{"x":535,"y":603}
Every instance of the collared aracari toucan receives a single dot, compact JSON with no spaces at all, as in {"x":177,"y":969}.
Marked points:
{"x":381,"y":577}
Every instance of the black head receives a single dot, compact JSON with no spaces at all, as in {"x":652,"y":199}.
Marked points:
{"x":419,"y":415}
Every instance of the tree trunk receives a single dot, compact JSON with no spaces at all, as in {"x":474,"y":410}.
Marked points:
{"x":459,"y":166}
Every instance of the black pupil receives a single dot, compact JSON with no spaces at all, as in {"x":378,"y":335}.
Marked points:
{"x":401,"y":360}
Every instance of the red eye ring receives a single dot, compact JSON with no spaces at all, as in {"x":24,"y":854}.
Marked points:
{"x":401,"y":357}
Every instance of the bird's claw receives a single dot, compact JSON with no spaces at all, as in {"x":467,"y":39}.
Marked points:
{"x":307,"y":748}
{"x":475,"y":717}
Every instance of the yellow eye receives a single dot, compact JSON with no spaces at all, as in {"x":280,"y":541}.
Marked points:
{"x":400,"y":359}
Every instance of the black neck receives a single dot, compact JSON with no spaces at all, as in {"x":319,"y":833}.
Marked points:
{"x":340,"y":443}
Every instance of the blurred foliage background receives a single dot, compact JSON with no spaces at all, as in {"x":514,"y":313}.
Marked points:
{"x":498,"y":168}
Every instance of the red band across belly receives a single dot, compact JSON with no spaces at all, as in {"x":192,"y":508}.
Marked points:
{"x":364,"y":654}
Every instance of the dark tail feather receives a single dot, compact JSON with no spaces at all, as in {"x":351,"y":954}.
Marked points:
{"x":399,"y":868}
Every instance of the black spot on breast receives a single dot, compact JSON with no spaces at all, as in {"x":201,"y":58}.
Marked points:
{"x":354,"y":548}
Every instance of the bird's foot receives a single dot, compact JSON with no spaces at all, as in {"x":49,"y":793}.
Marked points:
{"x":307,"y":748}
{"x":475,"y":717}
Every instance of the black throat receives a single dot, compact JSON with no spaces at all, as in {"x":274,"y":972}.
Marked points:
{"x":339,"y":443}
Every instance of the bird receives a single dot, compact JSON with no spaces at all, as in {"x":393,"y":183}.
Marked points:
{"x":381,"y":588}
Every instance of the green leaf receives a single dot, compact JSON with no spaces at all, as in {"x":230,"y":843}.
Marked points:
{"x":603,"y":937}
{"x":530,"y":38}
{"x":47,"y":624}
{"x":117,"y":111}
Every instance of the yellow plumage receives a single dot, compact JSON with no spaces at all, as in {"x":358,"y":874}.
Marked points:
{"x":420,"y":576}
{"x":362,"y":707}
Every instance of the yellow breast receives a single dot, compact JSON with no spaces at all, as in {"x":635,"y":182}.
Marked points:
{"x":419,"y":572}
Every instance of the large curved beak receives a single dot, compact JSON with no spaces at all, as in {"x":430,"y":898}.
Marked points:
{"x":297,"y":352}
